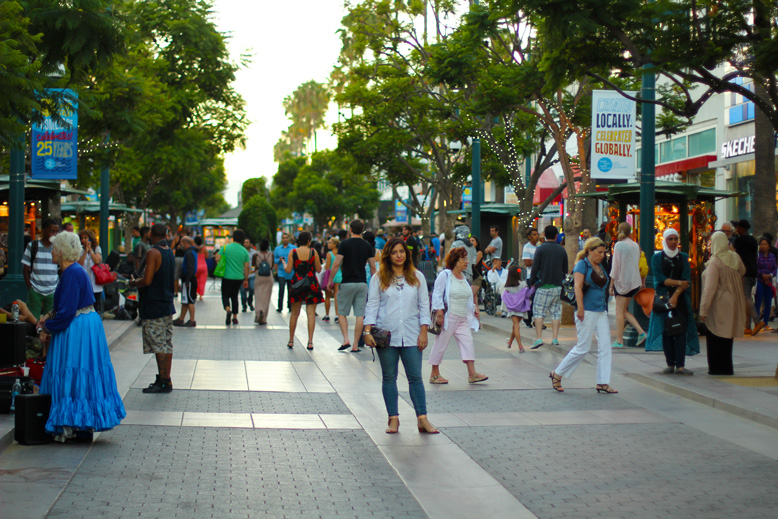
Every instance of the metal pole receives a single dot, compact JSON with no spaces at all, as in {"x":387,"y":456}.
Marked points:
{"x":647,"y":162}
{"x":477,"y":191}
{"x":105,"y":184}
{"x":13,"y":286}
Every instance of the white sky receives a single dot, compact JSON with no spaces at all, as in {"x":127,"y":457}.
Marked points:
{"x":292,"y":41}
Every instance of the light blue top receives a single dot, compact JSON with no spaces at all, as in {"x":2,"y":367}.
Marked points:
{"x":596,"y":298}
{"x":283,"y":252}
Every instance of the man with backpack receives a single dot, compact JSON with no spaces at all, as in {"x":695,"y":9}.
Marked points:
{"x":40,"y":272}
{"x":188,"y":283}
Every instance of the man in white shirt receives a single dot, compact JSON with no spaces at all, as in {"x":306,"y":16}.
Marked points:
{"x":528,"y":256}
{"x":528,"y":253}
{"x":497,"y":275}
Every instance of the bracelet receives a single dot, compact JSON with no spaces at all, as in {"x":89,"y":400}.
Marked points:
{"x":366,"y":332}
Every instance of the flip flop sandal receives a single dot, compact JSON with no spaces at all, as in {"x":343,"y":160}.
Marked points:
{"x":437,"y":379}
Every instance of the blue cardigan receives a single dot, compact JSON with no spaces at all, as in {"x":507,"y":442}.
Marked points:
{"x":74,"y":291}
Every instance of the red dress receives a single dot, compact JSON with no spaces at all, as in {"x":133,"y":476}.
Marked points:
{"x":307,"y":269}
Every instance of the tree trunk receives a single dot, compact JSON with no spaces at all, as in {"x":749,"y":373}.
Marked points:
{"x":764,"y":215}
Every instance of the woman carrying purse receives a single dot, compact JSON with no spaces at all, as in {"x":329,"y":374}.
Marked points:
{"x":398,"y":303}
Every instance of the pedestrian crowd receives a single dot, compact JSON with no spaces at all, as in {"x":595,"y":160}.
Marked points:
{"x":399,"y":291}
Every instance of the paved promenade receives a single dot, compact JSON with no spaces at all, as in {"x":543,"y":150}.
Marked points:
{"x":254,"y":429}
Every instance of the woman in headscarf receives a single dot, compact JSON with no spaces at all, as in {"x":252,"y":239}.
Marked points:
{"x":673,"y":277}
{"x":722,"y":305}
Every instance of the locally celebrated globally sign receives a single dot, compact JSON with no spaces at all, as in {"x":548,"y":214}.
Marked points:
{"x":613,"y":135}
{"x":55,"y":143}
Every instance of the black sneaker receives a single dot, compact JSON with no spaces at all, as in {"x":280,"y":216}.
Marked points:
{"x":191,"y":324}
{"x":165,"y":386}
{"x":228,"y":318}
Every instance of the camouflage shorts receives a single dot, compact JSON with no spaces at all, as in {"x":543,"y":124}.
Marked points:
{"x":158,"y":335}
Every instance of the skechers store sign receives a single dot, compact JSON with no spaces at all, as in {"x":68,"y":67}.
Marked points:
{"x":738,"y":147}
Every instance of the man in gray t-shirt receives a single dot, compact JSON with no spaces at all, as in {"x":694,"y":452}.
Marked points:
{"x":494,"y":249}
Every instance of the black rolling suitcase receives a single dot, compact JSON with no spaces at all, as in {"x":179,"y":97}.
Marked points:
{"x":32,"y":412}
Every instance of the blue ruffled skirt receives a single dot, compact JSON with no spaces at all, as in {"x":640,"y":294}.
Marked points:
{"x":80,"y":378}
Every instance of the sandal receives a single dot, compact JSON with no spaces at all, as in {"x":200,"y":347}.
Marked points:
{"x":310,"y":345}
{"x":395,"y":429}
{"x":556,"y":382}
{"x":605,"y":388}
{"x":290,"y":344}
{"x":477,"y":378}
{"x":521,"y":348}
{"x":437,"y":379}
{"x":426,"y":427}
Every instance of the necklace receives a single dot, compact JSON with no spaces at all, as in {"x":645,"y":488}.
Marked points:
{"x":399,"y":281}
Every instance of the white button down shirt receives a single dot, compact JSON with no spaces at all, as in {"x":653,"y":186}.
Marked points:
{"x":402,"y":312}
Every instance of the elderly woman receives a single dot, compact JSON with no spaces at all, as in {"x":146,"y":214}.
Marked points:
{"x":398,"y":302}
{"x":91,"y":256}
{"x":455,"y":310}
{"x":591,"y":317}
{"x":722,"y":305}
{"x":79,"y":375}
{"x":673,"y":277}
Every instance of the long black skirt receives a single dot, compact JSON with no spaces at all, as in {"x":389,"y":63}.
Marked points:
{"x":719,"y":354}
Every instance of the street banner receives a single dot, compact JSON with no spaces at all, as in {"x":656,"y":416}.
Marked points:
{"x":55,"y":143}
{"x":400,"y":212}
{"x":467,"y":197}
{"x":613,"y":135}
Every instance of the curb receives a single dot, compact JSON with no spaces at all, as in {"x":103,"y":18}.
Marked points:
{"x":754,"y":416}
{"x":700,"y":398}
{"x":8,"y":438}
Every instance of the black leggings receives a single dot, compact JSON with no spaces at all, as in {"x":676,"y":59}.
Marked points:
{"x":230,"y":290}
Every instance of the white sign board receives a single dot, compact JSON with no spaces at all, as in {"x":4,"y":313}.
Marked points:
{"x":613,"y":135}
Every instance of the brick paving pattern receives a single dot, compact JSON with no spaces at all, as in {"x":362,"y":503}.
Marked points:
{"x":195,"y":473}
{"x":617,"y":471}
{"x":238,"y":402}
{"x":519,"y":401}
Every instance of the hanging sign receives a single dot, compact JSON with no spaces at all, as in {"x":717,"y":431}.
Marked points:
{"x":400,"y":212}
{"x":613,"y":135}
{"x":467,"y":197}
{"x":55,"y":143}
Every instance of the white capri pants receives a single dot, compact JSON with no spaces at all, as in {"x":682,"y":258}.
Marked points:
{"x":594,"y":323}
{"x":459,"y":329}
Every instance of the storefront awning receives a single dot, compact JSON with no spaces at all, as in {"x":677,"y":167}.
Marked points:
{"x":37,"y":189}
{"x":684,"y":165}
{"x":492,"y":207}
{"x":218,"y":222}
{"x":94,"y":208}
{"x":664,"y":192}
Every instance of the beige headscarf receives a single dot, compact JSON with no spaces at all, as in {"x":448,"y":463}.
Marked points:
{"x":719,"y":248}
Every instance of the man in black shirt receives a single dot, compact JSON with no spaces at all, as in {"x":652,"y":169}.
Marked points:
{"x":353,"y":254}
{"x":413,"y":243}
{"x":747,"y":248}
{"x":549,"y":268}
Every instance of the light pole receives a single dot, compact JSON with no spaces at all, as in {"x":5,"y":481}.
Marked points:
{"x":105,"y":181}
{"x":477,"y":191}
{"x":12,"y":286}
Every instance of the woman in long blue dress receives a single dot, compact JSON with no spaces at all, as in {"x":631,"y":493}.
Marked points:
{"x":671,"y":269}
{"x":79,"y":375}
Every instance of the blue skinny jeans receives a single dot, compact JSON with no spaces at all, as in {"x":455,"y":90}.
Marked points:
{"x":411,"y":357}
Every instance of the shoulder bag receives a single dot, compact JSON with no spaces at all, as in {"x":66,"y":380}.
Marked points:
{"x":568,"y":288}
{"x":382,"y":337}
{"x":302,"y":285}
{"x":103,"y":274}
{"x":221,"y":267}
{"x":435,"y":328}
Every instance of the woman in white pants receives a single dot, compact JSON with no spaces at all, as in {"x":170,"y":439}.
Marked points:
{"x":455,"y":310}
{"x":591,"y":317}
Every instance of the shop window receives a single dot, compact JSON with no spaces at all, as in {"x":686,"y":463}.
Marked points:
{"x":702,"y":142}
{"x":741,"y":109}
{"x":673,"y":150}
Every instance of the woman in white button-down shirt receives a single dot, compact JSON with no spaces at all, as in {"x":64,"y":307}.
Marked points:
{"x":398,"y":301}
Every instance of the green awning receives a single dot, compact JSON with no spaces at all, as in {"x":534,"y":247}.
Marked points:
{"x":94,"y":208}
{"x":492,"y":207}
{"x":218,"y":222}
{"x":664,"y":192}
{"x":37,"y":189}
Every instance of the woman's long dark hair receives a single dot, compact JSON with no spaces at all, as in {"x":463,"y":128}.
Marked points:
{"x":385,"y":274}
{"x":514,"y":277}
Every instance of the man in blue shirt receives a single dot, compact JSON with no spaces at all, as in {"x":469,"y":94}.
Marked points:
{"x":380,"y":240}
{"x":280,"y":254}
